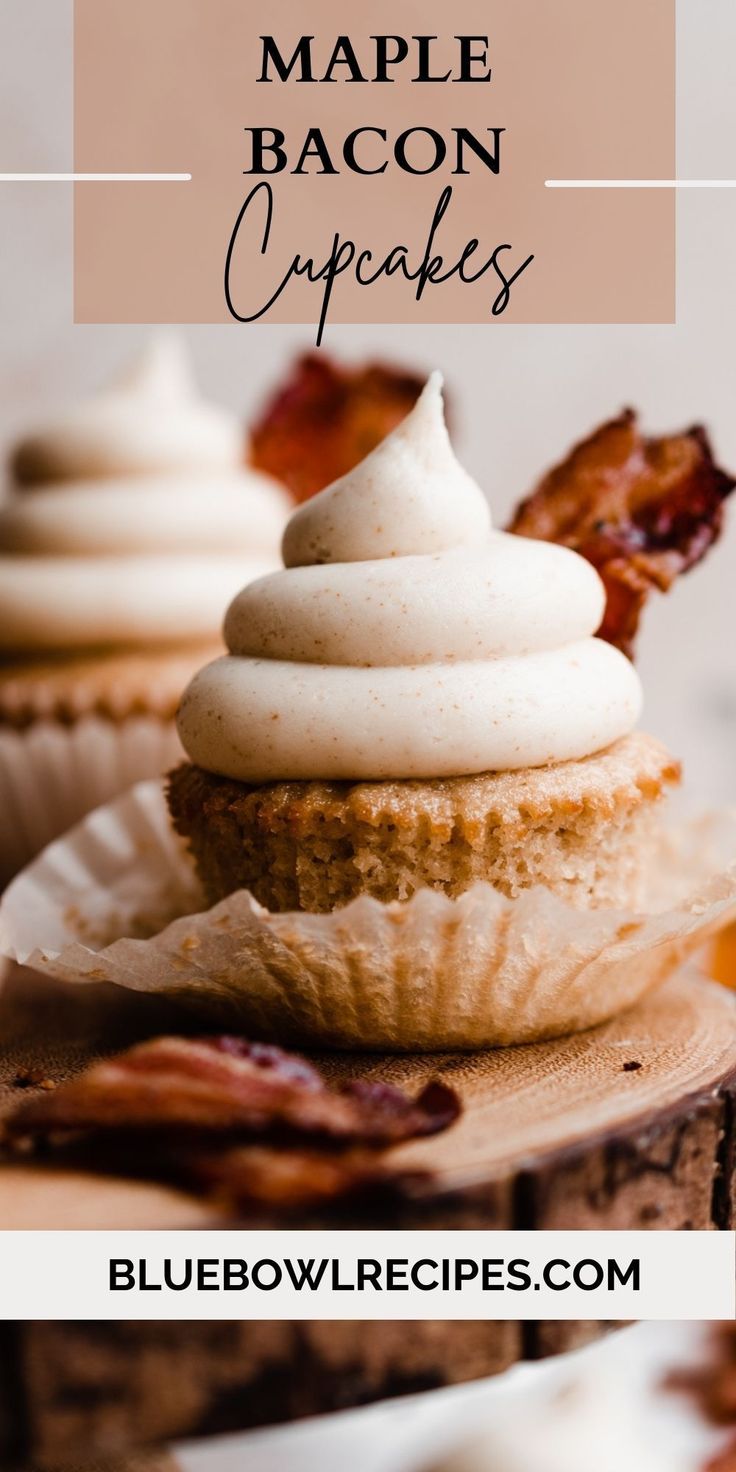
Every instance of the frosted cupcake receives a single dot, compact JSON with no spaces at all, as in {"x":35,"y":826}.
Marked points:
{"x":417,"y":702}
{"x":129,"y":524}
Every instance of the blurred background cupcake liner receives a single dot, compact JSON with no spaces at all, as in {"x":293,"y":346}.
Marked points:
{"x":51,"y":775}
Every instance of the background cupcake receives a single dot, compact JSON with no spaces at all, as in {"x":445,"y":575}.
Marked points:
{"x":129,"y":523}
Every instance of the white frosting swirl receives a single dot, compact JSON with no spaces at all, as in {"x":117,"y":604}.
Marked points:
{"x":152,"y":419}
{"x":408,"y":639}
{"x":145,"y":525}
{"x":409,"y":496}
{"x":165,"y":513}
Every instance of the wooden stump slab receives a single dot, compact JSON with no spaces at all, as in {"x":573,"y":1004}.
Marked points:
{"x":94,"y":1391}
{"x":567,"y":1134}
{"x":626,"y":1126}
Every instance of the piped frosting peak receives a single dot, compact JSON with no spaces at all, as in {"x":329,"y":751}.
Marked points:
{"x":408,"y":639}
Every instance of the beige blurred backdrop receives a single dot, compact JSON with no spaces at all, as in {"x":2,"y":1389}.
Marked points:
{"x":522,"y":394}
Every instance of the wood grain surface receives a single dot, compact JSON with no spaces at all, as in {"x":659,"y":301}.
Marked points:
{"x":628,"y":1125}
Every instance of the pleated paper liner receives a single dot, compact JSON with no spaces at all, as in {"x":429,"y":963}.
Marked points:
{"x":52,"y":774}
{"x":117,"y":900}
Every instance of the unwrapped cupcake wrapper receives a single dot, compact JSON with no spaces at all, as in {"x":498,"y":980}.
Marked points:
{"x":52,"y":774}
{"x":117,"y":900}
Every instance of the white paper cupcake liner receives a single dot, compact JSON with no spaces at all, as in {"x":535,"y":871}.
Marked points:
{"x":51,"y":775}
{"x":117,"y":900}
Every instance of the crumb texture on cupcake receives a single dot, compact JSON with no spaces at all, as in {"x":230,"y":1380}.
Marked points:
{"x":586,"y":830}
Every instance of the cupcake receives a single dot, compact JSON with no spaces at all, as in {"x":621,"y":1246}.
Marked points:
{"x":418,"y":702}
{"x":128,"y":525}
{"x":421,"y":815}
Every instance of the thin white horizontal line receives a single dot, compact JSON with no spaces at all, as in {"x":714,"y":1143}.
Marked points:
{"x":94,"y":178}
{"x":640,"y":183}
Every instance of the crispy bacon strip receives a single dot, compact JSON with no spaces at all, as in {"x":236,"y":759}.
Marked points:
{"x":326,"y":418}
{"x":288,"y":1180}
{"x":243,"y":1123}
{"x":226,"y":1085}
{"x":282,"y":1175}
{"x":643,"y":511}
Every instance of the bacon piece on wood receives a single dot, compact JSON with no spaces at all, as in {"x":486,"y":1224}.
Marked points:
{"x":243,"y":1123}
{"x":228,"y":1085}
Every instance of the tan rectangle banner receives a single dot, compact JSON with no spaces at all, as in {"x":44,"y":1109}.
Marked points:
{"x":387,"y":167}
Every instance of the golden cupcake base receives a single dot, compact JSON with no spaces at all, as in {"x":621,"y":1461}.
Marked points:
{"x":584,"y":829}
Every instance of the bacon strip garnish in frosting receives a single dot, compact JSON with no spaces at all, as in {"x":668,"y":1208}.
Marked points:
{"x":243,"y":1121}
{"x":641,"y":510}
{"x":326,"y":418}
